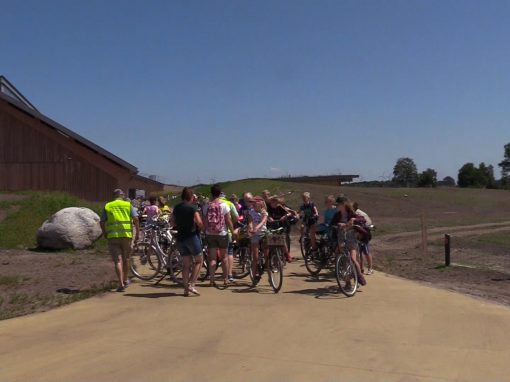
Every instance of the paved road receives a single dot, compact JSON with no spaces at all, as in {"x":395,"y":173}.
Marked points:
{"x":393,"y":330}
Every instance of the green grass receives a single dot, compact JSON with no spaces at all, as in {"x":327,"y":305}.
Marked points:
{"x":498,"y":238}
{"x":10,"y":281}
{"x":19,"y":229}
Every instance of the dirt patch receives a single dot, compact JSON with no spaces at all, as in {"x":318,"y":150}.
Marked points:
{"x":33,"y":282}
{"x":478,"y":270}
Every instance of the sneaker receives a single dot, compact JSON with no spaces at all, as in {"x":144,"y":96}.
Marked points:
{"x":362,"y":280}
{"x":370,"y":272}
{"x":230,"y":278}
{"x":194,"y":291}
{"x":127,"y":283}
{"x":121,"y":289}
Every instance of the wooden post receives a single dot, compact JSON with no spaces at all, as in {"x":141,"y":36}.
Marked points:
{"x":424,"y":233}
{"x":447,"y":250}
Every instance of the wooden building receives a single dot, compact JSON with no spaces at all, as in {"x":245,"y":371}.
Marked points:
{"x":37,"y":153}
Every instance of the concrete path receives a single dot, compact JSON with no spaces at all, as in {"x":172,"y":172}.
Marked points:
{"x":393,"y":330}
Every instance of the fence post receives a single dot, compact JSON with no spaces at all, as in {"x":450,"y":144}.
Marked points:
{"x":447,"y":250}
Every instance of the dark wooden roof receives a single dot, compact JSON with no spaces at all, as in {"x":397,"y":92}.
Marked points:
{"x":17,"y":100}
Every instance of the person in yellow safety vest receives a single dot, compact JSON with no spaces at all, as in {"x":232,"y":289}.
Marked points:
{"x":117,"y":222}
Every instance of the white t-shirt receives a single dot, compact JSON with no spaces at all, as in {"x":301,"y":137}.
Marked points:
{"x":224,"y":211}
{"x":365,"y":215}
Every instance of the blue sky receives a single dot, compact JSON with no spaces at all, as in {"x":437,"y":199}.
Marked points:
{"x":196,"y":91}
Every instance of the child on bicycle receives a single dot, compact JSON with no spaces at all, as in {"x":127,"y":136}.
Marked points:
{"x":257,"y":219}
{"x":323,"y":227}
{"x":308,"y":212}
{"x":345,"y":218}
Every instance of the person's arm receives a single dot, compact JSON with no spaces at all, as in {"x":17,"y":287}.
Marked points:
{"x":136,"y":222}
{"x":315,"y":211}
{"x":102,"y":223}
{"x":228,"y":220}
{"x":198,"y":221}
{"x":262,"y":222}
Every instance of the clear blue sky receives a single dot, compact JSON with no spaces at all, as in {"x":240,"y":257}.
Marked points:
{"x":195,"y":91}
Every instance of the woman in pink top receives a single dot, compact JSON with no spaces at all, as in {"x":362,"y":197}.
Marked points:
{"x":152,"y":211}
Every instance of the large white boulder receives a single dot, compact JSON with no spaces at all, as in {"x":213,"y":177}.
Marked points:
{"x":73,"y":227}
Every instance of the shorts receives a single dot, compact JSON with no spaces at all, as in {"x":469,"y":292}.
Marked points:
{"x":364,"y":249}
{"x":217,"y":241}
{"x":120,"y":247}
{"x":192,"y":246}
{"x":257,"y":238}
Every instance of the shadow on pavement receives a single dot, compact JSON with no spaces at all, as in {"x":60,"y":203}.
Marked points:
{"x":330,"y":292}
{"x":153,"y":295}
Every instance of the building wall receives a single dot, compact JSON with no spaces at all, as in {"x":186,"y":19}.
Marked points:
{"x":35,"y":156}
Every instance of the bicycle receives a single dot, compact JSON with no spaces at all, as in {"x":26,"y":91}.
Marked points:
{"x":323,"y":257}
{"x":345,"y":270}
{"x":275,"y":240}
{"x":147,"y":256}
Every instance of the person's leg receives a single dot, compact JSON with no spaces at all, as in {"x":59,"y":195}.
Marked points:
{"x":212,"y":263}
{"x":186,"y":262}
{"x":229,"y":259}
{"x":254,"y":256}
{"x":313,"y":239}
{"x":224,"y":264}
{"x":126,"y":253}
{"x":116,"y":254}
{"x":369,"y":260}
{"x":196,"y":269}
{"x":354,"y":257}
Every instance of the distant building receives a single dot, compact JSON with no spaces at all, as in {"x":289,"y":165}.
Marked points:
{"x":37,"y":153}
{"x":326,"y":180}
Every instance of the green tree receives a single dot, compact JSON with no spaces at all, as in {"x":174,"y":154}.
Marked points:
{"x":449,"y":181}
{"x":477,"y":177}
{"x":505,"y":166}
{"x":427,"y":178}
{"x":405,"y":173}
{"x":487,"y":173}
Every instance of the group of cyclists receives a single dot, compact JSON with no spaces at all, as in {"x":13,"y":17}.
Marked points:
{"x":222,"y":221}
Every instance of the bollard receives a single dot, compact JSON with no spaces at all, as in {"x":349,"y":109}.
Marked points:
{"x":447,"y":250}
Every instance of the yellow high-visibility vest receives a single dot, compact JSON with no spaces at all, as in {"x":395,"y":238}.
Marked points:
{"x":118,"y":219}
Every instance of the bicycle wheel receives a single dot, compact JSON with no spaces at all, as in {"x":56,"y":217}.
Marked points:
{"x":242,"y":263}
{"x":144,"y":262}
{"x":204,"y":271}
{"x":275,"y":269}
{"x":313,"y":262}
{"x":175,"y":266}
{"x":346,"y":274}
{"x":305,"y":244}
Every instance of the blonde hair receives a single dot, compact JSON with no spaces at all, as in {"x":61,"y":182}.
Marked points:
{"x":330,"y":198}
{"x":261,"y":204}
{"x":306,"y":195}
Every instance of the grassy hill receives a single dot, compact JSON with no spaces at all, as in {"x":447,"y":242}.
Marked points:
{"x":394,"y":209}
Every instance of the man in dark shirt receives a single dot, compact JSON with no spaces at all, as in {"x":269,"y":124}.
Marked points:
{"x":188,"y":222}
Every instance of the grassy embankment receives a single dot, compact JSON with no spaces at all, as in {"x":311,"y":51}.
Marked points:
{"x":27,"y":214}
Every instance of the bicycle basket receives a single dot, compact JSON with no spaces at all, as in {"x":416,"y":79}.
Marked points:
{"x":275,"y":240}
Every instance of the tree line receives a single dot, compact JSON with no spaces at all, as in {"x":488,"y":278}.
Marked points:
{"x":405,"y":174}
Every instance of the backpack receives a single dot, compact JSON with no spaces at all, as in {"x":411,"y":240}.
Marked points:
{"x":360,"y":225}
{"x":214,"y":218}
